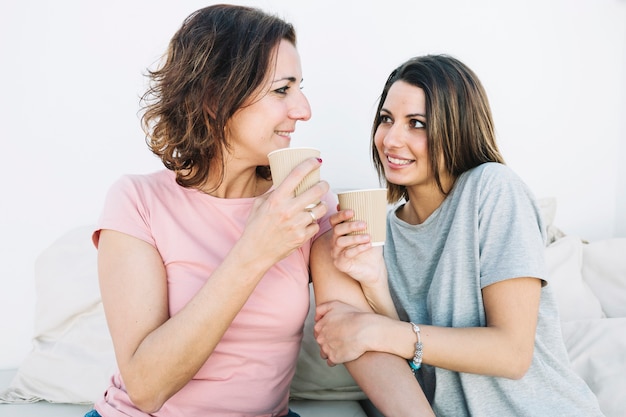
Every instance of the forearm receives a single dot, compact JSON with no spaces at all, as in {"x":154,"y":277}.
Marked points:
{"x":504,"y":347}
{"x":478,"y":350}
{"x":379,"y":297}
{"x":389,"y":383}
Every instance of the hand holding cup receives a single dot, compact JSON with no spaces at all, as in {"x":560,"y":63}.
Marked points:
{"x":369,"y":206}
{"x":283,"y":161}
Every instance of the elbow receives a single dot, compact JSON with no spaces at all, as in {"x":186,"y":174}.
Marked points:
{"x":517,"y":373}
{"x":517,"y":368}
{"x":147,"y":392}
{"x":144,"y":400}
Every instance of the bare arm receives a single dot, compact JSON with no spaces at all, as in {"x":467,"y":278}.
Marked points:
{"x":503,"y":348}
{"x":386,"y":379}
{"x":157,"y":354}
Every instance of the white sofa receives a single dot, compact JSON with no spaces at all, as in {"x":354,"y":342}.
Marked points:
{"x":72,"y":355}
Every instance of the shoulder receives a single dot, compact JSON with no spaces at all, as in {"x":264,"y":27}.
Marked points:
{"x":496,"y":188}
{"x":141,"y":191}
{"x":491,"y":171}
{"x":158,"y":181}
{"x":158,"y":178}
{"x":492,"y":177}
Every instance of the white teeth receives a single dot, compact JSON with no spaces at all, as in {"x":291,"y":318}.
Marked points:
{"x":283,"y":134}
{"x":399,"y":161}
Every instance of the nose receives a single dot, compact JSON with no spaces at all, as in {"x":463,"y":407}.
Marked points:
{"x":392,"y":135}
{"x":301,"y":109}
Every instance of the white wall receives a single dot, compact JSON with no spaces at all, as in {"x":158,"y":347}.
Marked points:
{"x":71,"y":74}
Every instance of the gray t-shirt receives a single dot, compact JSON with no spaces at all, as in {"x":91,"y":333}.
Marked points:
{"x":488,"y":229}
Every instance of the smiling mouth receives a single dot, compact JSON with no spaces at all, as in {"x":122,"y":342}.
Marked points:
{"x":283,"y":134}
{"x":397,"y":161}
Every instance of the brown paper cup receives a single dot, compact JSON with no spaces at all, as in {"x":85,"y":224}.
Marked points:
{"x":370,"y":206}
{"x":282,"y":161}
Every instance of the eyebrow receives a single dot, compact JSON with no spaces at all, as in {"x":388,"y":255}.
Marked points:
{"x":408,"y":115}
{"x":291,"y":79}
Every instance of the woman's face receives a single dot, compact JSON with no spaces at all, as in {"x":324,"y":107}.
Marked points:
{"x":400,"y":138}
{"x":267,"y":122}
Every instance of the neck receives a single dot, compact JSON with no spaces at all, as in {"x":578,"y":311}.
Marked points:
{"x":419,"y":208}
{"x":236,"y":185}
{"x":424,"y":200}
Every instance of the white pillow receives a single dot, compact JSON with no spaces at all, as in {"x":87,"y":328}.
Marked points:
{"x":575,"y":299}
{"x":604,"y":270}
{"x":314,"y":379}
{"x":72,"y":356}
{"x":597,"y":351}
{"x":547,"y":206}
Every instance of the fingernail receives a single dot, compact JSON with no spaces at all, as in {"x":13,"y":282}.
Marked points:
{"x":319,"y":160}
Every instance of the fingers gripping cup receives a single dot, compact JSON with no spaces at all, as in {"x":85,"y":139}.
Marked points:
{"x":369,"y":206}
{"x":282,"y":161}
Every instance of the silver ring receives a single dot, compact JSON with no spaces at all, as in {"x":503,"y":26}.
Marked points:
{"x":313,"y":218}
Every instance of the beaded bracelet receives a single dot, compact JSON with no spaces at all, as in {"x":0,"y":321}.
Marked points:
{"x":416,"y":363}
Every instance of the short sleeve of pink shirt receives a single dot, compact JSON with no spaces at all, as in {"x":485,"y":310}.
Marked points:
{"x":251,"y":368}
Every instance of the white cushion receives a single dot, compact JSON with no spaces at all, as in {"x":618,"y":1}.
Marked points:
{"x":547,"y":206}
{"x":604,"y":270}
{"x":575,"y":299}
{"x":72,"y":356}
{"x":597,"y":351}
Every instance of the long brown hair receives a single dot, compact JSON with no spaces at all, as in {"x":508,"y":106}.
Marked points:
{"x":215,"y":62}
{"x":459,"y":124}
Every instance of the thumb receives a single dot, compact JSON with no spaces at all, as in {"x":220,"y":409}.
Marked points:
{"x":321,"y":310}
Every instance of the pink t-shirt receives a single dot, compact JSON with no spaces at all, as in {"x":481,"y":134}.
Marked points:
{"x":251,"y":368}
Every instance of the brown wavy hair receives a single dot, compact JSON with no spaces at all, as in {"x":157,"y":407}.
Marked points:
{"x":459,"y":123}
{"x":215,"y":62}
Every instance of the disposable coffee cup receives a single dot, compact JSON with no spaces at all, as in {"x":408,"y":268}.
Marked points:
{"x":369,"y":206}
{"x":283,"y":161}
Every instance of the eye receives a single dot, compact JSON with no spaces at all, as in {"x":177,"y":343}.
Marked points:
{"x":282,"y":90}
{"x":383,"y":118}
{"x":417,"y":124}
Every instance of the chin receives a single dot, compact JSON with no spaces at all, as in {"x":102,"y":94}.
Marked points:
{"x":279,"y":146}
{"x":393,"y":179}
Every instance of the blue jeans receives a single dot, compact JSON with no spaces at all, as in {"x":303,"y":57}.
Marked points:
{"x":94,"y":413}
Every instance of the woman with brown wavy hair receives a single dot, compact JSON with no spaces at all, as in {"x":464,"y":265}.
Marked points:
{"x":203,"y":266}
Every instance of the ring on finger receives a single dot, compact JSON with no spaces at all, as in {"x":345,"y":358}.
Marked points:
{"x":313,"y":218}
